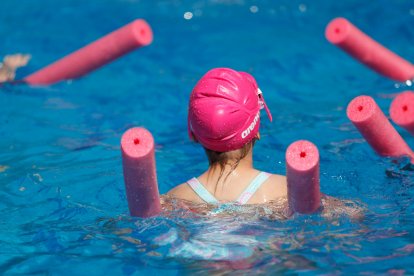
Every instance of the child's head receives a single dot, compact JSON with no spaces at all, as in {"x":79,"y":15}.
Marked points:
{"x":224,"y":110}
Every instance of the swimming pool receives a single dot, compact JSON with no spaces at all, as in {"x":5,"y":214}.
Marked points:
{"x":62,"y":196}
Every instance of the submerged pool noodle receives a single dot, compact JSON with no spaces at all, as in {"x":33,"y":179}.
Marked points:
{"x":349,"y":38}
{"x":371,"y":122}
{"x":94,"y":55}
{"x":138,"y":160}
{"x":302,"y":173}
{"x":402,"y":111}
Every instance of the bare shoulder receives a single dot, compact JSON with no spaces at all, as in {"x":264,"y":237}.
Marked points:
{"x":183,"y":191}
{"x":273,"y":188}
{"x":277,"y":185}
{"x":177,"y":190}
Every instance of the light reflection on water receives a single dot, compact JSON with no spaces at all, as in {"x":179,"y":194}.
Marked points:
{"x":50,"y":179}
{"x":62,"y":197}
{"x":261,"y":238}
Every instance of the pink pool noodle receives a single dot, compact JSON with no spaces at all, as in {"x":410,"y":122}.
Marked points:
{"x":94,"y":55}
{"x":349,"y":38}
{"x":302,"y":173}
{"x":138,"y":160}
{"x":402,"y":110}
{"x":371,"y":122}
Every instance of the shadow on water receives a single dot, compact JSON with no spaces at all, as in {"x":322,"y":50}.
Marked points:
{"x":201,"y":238}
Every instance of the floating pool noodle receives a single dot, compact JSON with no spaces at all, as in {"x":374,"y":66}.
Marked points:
{"x":138,"y":160}
{"x":94,"y":55}
{"x":302,"y":173}
{"x":371,"y":122}
{"x":349,"y":38}
{"x":402,"y":110}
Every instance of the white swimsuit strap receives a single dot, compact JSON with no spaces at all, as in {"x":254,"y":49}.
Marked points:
{"x":252,"y":188}
{"x":201,"y":191}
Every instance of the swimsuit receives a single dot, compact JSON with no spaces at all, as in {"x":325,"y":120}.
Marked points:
{"x":205,"y":195}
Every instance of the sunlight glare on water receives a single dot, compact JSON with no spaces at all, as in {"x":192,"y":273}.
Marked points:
{"x":62,"y":197}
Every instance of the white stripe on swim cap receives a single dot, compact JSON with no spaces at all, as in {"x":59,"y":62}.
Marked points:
{"x":250,"y":128}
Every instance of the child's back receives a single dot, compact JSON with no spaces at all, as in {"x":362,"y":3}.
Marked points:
{"x":268,"y":188}
{"x":224,"y":116}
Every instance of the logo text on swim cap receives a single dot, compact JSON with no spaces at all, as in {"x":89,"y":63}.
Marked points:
{"x":252,"y":125}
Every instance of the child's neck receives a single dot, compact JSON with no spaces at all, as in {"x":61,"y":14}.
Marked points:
{"x":231,"y":170}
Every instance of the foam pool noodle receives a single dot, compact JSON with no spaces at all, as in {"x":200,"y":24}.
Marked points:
{"x":302,"y":173}
{"x":138,"y":160}
{"x":94,"y":55}
{"x":377,"y":130}
{"x":349,"y":38}
{"x":402,"y":111}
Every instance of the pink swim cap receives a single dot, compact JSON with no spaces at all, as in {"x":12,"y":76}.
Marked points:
{"x":224,"y":110}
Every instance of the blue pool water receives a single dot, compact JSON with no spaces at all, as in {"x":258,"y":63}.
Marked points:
{"x":62,"y":196}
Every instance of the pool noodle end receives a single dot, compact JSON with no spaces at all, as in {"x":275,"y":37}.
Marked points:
{"x":138,"y":160}
{"x":402,"y":111}
{"x":302,"y":173}
{"x":377,"y":130}
{"x":94,"y":55}
{"x":349,"y":38}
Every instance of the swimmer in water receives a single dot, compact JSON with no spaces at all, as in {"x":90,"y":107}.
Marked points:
{"x":10,"y":64}
{"x":224,"y":117}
